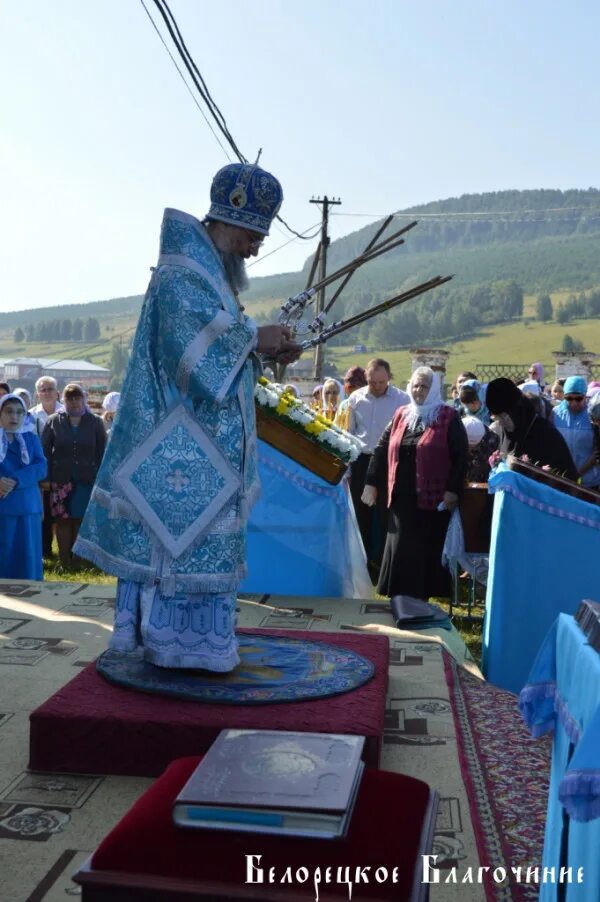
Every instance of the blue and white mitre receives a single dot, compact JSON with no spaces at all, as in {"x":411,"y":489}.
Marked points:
{"x":245,"y":195}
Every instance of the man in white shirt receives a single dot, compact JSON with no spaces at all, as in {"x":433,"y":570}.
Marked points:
{"x":46,"y":389}
{"x":370,"y":410}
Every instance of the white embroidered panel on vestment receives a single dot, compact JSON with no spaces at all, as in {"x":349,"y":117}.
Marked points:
{"x":177,"y":481}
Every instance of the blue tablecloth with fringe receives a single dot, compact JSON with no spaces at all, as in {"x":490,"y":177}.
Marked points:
{"x":543,"y":562}
{"x":303,"y":538}
{"x":562,"y":695}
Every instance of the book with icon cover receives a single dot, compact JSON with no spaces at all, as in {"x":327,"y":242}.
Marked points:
{"x":270,"y":781}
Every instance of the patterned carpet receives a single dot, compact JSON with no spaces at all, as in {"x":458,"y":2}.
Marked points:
{"x":50,"y":823}
{"x":506,"y":774}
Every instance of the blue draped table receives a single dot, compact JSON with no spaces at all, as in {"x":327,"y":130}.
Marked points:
{"x":563,"y":694}
{"x":543,"y":562}
{"x":302,"y":534}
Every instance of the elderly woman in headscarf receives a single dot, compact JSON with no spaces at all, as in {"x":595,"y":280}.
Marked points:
{"x":423,"y":453}
{"x":22,"y":466}
{"x":73,"y":442}
{"x":523,"y":431}
{"x":572,"y":420}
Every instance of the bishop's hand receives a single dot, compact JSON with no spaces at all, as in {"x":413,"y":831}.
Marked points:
{"x":277,"y":342}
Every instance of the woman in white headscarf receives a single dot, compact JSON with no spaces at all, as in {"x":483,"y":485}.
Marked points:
{"x":332,"y":394}
{"x":423,"y":453}
{"x":22,"y":466}
{"x":110,"y":405}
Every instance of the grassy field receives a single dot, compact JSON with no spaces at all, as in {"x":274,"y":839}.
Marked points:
{"x":519,"y":342}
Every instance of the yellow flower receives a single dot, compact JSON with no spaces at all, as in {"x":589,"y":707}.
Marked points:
{"x":282,"y":407}
{"x":263,"y":381}
{"x":314,"y":428}
{"x":322,"y":419}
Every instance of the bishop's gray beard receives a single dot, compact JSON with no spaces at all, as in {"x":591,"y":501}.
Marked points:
{"x":235,"y":270}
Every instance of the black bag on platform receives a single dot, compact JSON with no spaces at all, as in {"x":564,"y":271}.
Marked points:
{"x":416,"y":614}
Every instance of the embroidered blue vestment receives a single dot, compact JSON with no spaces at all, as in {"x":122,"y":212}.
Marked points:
{"x":170,"y":503}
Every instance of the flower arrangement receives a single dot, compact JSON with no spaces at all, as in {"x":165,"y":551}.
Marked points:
{"x":274,"y":401}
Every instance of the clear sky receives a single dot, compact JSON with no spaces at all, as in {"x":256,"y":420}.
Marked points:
{"x":386,"y":104}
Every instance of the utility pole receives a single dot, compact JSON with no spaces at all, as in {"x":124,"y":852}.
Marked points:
{"x":325,"y":240}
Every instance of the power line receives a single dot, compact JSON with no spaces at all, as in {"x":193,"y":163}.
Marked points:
{"x":181,"y":75}
{"x":196,"y":76}
{"x":202,"y":88}
{"x":285,"y":244}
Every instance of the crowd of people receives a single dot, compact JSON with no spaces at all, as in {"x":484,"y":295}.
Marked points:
{"x":49,"y":458}
{"x":419,"y":452}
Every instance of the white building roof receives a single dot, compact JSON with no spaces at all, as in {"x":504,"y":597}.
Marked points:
{"x":51,"y":363}
{"x":75,"y":365}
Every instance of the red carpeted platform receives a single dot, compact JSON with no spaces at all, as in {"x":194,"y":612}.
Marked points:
{"x":92,"y":727}
{"x":147,"y":858}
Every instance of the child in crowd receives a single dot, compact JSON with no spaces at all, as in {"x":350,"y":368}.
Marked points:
{"x":22,"y":466}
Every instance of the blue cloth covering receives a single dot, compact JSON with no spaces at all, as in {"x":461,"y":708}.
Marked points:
{"x":302,"y":535}
{"x":563,"y":694}
{"x":543,"y":562}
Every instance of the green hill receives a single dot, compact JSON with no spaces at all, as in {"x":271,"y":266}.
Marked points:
{"x":503,"y":248}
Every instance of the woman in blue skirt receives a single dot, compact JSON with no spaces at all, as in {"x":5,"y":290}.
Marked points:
{"x":22,"y":466}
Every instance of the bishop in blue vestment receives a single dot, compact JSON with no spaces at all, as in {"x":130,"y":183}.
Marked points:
{"x":169,"y":509}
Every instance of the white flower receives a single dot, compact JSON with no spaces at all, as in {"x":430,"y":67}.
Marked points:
{"x":261,"y":395}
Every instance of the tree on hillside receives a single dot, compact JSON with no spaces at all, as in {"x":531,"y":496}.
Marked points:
{"x":543,"y":308}
{"x":119,"y":357}
{"x":570,"y":345}
{"x":29,"y":332}
{"x":562,"y":314}
{"x":508,"y":298}
{"x":91,"y":329}
{"x":77,"y":330}
{"x":66,"y":330}
{"x":19,"y":335}
{"x":594,"y":304}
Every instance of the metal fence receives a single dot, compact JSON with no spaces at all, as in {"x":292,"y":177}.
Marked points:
{"x":488,"y":371}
